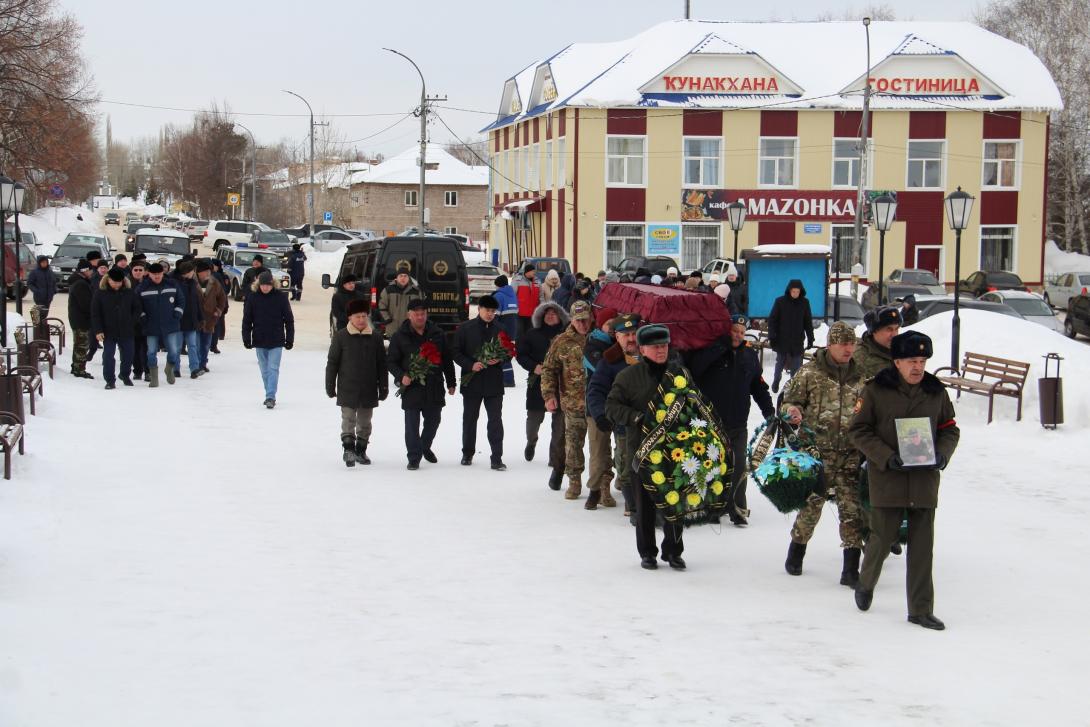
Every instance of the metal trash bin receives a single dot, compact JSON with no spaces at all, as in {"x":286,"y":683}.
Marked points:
{"x":1050,"y":391}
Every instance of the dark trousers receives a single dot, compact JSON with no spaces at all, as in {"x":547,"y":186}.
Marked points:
{"x":885,"y":524}
{"x":296,"y":286}
{"x":139,"y":356}
{"x":493,"y":407}
{"x":526,"y":323}
{"x":417,"y":441}
{"x":534,"y":418}
{"x":221,"y":332}
{"x":109,"y":346}
{"x":738,"y":477}
{"x":646,"y":513}
{"x":791,"y":361}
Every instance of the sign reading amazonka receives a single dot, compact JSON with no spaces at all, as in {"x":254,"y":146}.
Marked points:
{"x":699,"y":205}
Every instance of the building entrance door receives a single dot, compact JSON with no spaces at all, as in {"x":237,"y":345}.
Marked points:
{"x":930,"y":257}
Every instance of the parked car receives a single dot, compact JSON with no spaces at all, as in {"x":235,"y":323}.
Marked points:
{"x":942,"y":304}
{"x":1032,"y":307}
{"x":30,"y":239}
{"x":894,"y":292}
{"x":161,"y":245}
{"x":18,"y":261}
{"x":132,"y":228}
{"x":69,"y":252}
{"x":985,"y":281}
{"x":482,"y":280}
{"x":330,"y":240}
{"x":100,"y":240}
{"x":195,"y":230}
{"x":1066,"y":287}
{"x":229,"y":232}
{"x":112,"y":218}
{"x":917,"y":276}
{"x":363,"y":234}
{"x":721,"y":267}
{"x":656,"y":264}
{"x":544,"y":264}
{"x":435,"y":263}
{"x":237,"y":259}
{"x":1078,"y":316}
{"x":850,"y":311}
{"x":304,"y":230}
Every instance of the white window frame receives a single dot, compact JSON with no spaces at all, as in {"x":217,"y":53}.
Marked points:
{"x":561,"y":162}
{"x":450,"y":230}
{"x":700,"y":184}
{"x":548,"y":165}
{"x":447,"y":198}
{"x":1014,"y":247}
{"x":1017,"y":161}
{"x":624,"y":254}
{"x":524,"y":182}
{"x":685,"y":262}
{"x":869,"y":181}
{"x":845,"y":274}
{"x":411,"y":200}
{"x":942,"y":162}
{"x":761,"y":158}
{"x":643,"y":158}
{"x":516,"y":180}
{"x":533,"y":177}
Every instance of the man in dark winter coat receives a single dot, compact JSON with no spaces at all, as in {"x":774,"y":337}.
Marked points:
{"x":249,"y":278}
{"x":297,"y":260}
{"x":42,"y":284}
{"x":355,"y":374}
{"x":789,"y":323}
{"x":137,"y":272}
{"x":627,"y":404}
{"x":549,"y":321}
{"x":346,"y":292}
{"x":729,"y":374}
{"x":486,"y":384}
{"x":738,"y":298}
{"x":872,"y":354}
{"x":903,"y":391}
{"x":421,"y":400}
{"x":80,"y":294}
{"x":221,"y":325}
{"x":162,"y":303}
{"x":613,"y":361}
{"x":268,"y":326}
{"x":192,"y":315}
{"x":213,"y":299}
{"x":114,"y":313}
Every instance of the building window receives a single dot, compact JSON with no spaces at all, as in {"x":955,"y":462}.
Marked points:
{"x":561,"y":163}
{"x":625,"y":160}
{"x":534,"y":172}
{"x":450,"y":230}
{"x":846,"y":163}
{"x":699,"y":245}
{"x":925,"y":164}
{"x":548,"y":165}
{"x":1001,"y":164}
{"x":702,"y":155}
{"x":623,"y":241}
{"x":997,"y":248}
{"x":514,"y":177}
{"x":778,"y":162}
{"x":410,"y":197}
{"x":525,"y":165}
{"x":847,"y":250}
{"x":450,"y":198}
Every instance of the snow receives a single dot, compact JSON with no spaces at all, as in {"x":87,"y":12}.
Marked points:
{"x":1060,"y":261}
{"x":403,"y":169}
{"x":227,"y":569}
{"x":794,"y":249}
{"x":49,"y":234}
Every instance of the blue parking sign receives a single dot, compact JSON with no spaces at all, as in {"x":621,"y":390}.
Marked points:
{"x":327,"y":217}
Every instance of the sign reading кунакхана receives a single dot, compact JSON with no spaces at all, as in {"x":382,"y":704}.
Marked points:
{"x":698,"y":205}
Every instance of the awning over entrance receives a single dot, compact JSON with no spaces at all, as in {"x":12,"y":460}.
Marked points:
{"x":518,"y":206}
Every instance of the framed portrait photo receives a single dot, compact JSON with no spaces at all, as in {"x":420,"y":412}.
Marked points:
{"x":915,"y":445}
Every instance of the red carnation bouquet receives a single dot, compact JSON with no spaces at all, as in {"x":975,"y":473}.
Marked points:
{"x":501,"y":348}
{"x":421,"y":364}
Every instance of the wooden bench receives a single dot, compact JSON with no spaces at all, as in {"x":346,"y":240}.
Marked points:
{"x":35,"y":351}
{"x":56,"y":328}
{"x":988,"y":376}
{"x":11,"y":433}
{"x":30,"y":378}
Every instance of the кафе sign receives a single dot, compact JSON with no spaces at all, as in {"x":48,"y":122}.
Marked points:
{"x":700,"y":205}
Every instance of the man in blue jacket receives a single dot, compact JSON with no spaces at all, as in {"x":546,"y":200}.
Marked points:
{"x":162,"y":303}
{"x":269,"y":327}
{"x":297,"y":270}
{"x":43,"y":286}
{"x":508,"y":318}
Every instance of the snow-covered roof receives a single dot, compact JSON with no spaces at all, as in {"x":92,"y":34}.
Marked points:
{"x":815,"y":65}
{"x":443,"y":169}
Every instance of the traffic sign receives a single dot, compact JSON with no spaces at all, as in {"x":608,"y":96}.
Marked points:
{"x":233,"y":199}
{"x":327,"y":217}
{"x":56,"y":191}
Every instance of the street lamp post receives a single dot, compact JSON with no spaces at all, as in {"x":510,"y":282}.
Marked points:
{"x":311,"y":193}
{"x":20,"y":190}
{"x":736,"y":212}
{"x":423,"y":134}
{"x":7,"y":204}
{"x":885,"y":210}
{"x":253,"y":172}
{"x":836,"y":275}
{"x":959,"y":205}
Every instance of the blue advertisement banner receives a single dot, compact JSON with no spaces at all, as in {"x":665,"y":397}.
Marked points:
{"x":664,"y":240}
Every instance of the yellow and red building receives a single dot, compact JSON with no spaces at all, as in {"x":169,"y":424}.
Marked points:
{"x":611,"y":150}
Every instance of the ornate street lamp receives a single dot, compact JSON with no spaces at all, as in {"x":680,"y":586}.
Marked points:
{"x":736,"y":211}
{"x":7,"y":204}
{"x":959,"y":205}
{"x":884,"y":209}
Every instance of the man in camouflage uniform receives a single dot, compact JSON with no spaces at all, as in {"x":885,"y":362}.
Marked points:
{"x":872,"y":353}
{"x":824,"y":395}
{"x":564,"y":386}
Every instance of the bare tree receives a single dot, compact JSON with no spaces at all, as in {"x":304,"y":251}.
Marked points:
{"x":1056,"y":31}
{"x":874,"y":11}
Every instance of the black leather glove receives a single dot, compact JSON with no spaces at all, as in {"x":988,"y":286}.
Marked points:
{"x":248,"y":345}
{"x":895,"y":463}
{"x":940,"y":461}
{"x":603,"y":422}
{"x":288,"y":345}
{"x":382,"y":394}
{"x":331,"y":393}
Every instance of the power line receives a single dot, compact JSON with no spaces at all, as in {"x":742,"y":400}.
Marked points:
{"x":377,"y":133}
{"x":241,"y":113}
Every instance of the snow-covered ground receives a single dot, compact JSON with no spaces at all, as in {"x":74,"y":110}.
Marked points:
{"x":186,"y":557}
{"x":52,"y":225}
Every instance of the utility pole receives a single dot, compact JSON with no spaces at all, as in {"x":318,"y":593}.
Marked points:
{"x":310,"y":194}
{"x":253,"y":172}
{"x":688,"y":7}
{"x":864,"y":134}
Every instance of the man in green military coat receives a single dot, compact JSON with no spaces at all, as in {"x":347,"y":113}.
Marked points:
{"x":903,"y":391}
{"x":872,"y":353}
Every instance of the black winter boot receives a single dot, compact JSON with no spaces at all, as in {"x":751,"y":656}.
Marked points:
{"x":555,"y":479}
{"x":361,"y":452}
{"x":348,"y":444}
{"x":795,"y":554}
{"x":850,"y":575}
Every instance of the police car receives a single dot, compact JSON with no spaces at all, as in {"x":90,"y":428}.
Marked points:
{"x":239,"y":257}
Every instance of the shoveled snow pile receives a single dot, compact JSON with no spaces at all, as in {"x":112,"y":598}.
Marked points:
{"x":50,"y":234}
{"x":1061,"y":261}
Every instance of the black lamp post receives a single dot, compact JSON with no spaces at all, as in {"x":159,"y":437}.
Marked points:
{"x":959,"y":205}
{"x":7,"y":204}
{"x":736,"y":212}
{"x":18,"y":193}
{"x":885,"y":210}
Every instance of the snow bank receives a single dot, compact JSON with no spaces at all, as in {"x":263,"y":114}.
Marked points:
{"x":1060,"y":261}
{"x":41,"y":223}
{"x":155,"y":209}
{"x":319,"y":263}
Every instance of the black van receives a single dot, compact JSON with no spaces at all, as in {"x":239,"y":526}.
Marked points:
{"x":435,"y":262}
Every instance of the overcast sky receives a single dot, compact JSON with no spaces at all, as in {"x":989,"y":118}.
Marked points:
{"x":242,"y":53}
